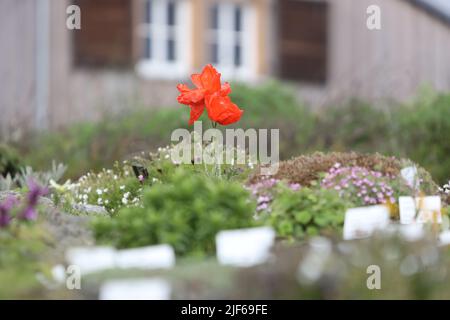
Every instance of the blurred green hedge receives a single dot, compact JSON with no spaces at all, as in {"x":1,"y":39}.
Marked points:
{"x":419,"y":130}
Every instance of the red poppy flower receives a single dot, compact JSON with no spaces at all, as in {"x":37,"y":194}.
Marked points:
{"x":222,"y":110}
{"x":211,"y":93}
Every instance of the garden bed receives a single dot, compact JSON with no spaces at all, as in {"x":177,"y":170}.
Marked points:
{"x":186,"y":206}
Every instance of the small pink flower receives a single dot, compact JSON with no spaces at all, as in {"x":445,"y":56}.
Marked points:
{"x":263,"y":206}
{"x":294,"y":186}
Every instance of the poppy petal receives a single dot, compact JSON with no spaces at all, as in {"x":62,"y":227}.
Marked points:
{"x":210,"y":79}
{"x":196,"y":112}
{"x":222,"y":110}
{"x":188,"y":96}
{"x":196,"y":80}
{"x":225,"y":89}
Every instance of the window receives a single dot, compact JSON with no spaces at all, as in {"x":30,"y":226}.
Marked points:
{"x":105,"y":38}
{"x":303,"y":49}
{"x":230,"y":40}
{"x":166,"y":43}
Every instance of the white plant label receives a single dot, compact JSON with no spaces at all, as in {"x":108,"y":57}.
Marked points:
{"x":407,"y":207}
{"x":136,"y":289}
{"x":409,"y":174}
{"x":362,"y":222}
{"x":412,"y":232}
{"x":94,"y":259}
{"x":152,"y":257}
{"x":444,"y":238}
{"x":91,"y":259}
{"x":429,"y":209}
{"x":244,"y":247}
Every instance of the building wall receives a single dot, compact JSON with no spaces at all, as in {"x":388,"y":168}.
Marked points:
{"x":80,"y":94}
{"x":409,"y":51}
{"x":17,"y":67}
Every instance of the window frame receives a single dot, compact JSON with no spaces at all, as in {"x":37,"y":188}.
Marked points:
{"x":226,"y":38}
{"x":159,"y":31}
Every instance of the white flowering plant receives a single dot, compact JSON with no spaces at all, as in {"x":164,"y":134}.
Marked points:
{"x":111,"y":189}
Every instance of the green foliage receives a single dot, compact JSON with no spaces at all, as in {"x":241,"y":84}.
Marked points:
{"x":418,"y":131}
{"x":43,"y":178}
{"x":93,"y":146}
{"x":272,"y":105}
{"x":423,"y":133}
{"x":20,"y":261}
{"x":187,"y":211}
{"x":353,"y":126}
{"x":9,"y":161}
{"x":307,"y":212}
{"x":160,"y":165}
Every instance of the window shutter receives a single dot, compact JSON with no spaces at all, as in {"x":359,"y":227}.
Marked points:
{"x":303,"y":40}
{"x":105,"y":38}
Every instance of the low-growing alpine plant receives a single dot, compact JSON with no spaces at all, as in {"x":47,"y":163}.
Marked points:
{"x":111,"y":189}
{"x":364,"y":186}
{"x":265,"y":190}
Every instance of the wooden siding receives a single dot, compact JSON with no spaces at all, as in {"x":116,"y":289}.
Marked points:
{"x":17,"y":67}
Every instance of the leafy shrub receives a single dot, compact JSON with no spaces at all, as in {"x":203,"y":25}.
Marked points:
{"x":185,"y":212}
{"x":21,"y":261}
{"x":9,"y":161}
{"x":93,"y":146}
{"x":353,"y":126}
{"x":272,"y":105}
{"x":307,"y":212}
{"x":423,"y":130}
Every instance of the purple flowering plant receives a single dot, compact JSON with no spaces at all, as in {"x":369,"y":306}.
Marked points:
{"x":363,"y":186}
{"x":264,"y":191}
{"x":12,"y":209}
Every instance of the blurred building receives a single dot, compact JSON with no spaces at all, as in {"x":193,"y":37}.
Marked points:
{"x":133,"y":52}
